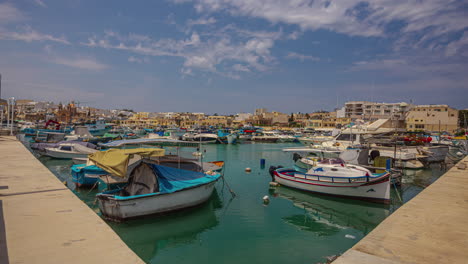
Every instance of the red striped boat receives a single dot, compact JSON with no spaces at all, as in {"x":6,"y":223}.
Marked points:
{"x":334,"y":177}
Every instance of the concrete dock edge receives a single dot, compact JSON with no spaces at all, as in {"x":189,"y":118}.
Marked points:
{"x":430,"y":228}
{"x":44,"y":222}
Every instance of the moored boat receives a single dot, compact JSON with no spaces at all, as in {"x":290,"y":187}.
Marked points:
{"x":334,"y":177}
{"x":206,"y":138}
{"x":69,"y":151}
{"x":153,"y":184}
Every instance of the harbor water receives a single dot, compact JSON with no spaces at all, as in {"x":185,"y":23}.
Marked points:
{"x":294,"y":227}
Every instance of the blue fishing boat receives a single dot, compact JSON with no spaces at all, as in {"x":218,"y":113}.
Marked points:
{"x":226,"y":136}
{"x":83,"y":175}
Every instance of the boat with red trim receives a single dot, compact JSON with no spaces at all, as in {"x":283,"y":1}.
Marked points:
{"x":335,"y":177}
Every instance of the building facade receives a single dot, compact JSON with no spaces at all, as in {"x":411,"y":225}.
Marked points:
{"x":371,"y":111}
{"x":432,"y":118}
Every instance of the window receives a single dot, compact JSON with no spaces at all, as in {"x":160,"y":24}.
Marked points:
{"x":419,"y":126}
{"x":410,"y":126}
{"x":346,"y":137}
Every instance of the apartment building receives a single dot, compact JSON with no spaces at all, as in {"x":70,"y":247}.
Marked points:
{"x":432,"y":118}
{"x":372,"y":111}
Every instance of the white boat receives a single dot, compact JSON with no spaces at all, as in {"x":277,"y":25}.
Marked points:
{"x":79,"y":133}
{"x":265,"y":137}
{"x":315,"y":139}
{"x":205,"y":138}
{"x":69,"y":151}
{"x":98,"y":128}
{"x":334,"y":177}
{"x":403,"y":158}
{"x":426,"y":154}
{"x":282,"y":137}
{"x":152,"y":187}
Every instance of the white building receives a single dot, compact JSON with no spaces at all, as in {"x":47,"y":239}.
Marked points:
{"x":372,"y":111}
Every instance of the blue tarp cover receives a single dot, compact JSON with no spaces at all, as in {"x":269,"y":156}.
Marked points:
{"x":173,"y":179}
{"x":92,"y":169}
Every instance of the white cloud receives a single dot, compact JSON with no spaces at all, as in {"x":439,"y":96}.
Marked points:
{"x":138,"y":60}
{"x":301,"y":57}
{"x":9,"y":14}
{"x":201,"y":21}
{"x":40,"y":3}
{"x":294,"y":35}
{"x":241,"y":68}
{"x":456,"y":46}
{"x":431,"y":19}
{"x":30,"y":35}
{"x":216,"y":52}
{"x":81,"y":63}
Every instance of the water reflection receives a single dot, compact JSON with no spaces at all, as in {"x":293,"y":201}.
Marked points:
{"x":147,"y":235}
{"x":326,"y":216}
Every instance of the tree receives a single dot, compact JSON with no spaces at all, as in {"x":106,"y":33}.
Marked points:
{"x":463,"y":119}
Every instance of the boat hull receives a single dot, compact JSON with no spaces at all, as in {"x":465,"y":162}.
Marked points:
{"x":64,"y":154}
{"x":82,"y":176}
{"x":375,"y":191}
{"x":120,"y":209}
{"x":265,"y":139}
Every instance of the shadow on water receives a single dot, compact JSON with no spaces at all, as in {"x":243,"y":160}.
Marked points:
{"x":147,"y":235}
{"x":325,"y":215}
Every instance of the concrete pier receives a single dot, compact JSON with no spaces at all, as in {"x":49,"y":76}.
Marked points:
{"x":431,"y":228}
{"x":42,"y":221}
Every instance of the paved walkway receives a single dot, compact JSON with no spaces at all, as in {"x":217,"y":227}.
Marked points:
{"x":42,"y":221}
{"x":430,"y":228}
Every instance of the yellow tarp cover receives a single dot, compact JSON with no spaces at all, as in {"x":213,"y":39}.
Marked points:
{"x":115,"y":161}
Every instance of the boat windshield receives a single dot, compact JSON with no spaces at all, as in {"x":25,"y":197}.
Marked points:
{"x":332,"y":161}
{"x":346,"y":137}
{"x":67,"y":148}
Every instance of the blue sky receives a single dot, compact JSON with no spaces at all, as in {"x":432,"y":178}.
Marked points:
{"x":229,"y":56}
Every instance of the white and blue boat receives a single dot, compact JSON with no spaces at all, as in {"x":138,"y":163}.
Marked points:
{"x":226,"y":136}
{"x":334,"y":177}
{"x":98,"y":128}
{"x":154,"y":184}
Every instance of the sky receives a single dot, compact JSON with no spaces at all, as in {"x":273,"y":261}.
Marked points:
{"x":232,"y":56}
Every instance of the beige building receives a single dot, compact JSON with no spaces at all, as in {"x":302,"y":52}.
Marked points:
{"x":432,"y":118}
{"x":214,"y":121}
{"x":328,"y":123}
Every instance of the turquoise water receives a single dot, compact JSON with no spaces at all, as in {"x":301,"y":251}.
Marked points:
{"x":295,"y":227}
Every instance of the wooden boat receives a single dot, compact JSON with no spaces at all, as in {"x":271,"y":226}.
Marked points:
{"x":154,"y":184}
{"x":334,"y":177}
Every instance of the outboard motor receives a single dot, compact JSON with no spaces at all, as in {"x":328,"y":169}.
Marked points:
{"x":271,"y":170}
{"x":296,"y":157}
{"x":374,"y":154}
